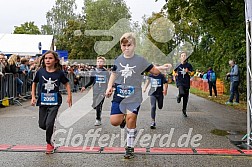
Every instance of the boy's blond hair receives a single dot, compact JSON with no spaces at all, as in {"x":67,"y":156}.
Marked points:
{"x":101,"y":57}
{"x":128,"y":37}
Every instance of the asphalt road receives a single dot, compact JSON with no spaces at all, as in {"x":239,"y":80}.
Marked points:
{"x":19,"y":127}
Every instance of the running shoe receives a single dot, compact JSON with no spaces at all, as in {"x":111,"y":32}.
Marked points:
{"x":49,"y":149}
{"x":153,"y":125}
{"x":229,"y":103}
{"x":129,"y":153}
{"x":97,"y":123}
{"x":178,"y":99}
{"x":184,"y":113}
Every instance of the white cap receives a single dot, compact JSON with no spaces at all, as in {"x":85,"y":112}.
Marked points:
{"x":31,"y":59}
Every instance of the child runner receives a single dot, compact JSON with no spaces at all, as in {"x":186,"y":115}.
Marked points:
{"x":182,"y":73}
{"x":126,"y":78}
{"x":99,"y":80}
{"x":49,"y":77}
{"x":157,"y":92}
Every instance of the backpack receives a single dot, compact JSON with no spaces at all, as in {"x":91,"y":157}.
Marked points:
{"x":212,"y":77}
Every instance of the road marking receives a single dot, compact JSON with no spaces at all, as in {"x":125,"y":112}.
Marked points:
{"x":120,"y":150}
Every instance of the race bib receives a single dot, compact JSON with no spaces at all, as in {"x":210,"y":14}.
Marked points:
{"x":125,"y":91}
{"x":49,"y":99}
{"x":155,"y":83}
{"x":100,"y":79}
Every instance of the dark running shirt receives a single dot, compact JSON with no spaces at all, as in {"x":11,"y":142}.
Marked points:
{"x":49,"y":83}
{"x":156,"y":83}
{"x":183,"y":78}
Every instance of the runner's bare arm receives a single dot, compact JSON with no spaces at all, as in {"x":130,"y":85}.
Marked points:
{"x":146,"y":85}
{"x":156,"y":69}
{"x":33,"y":93}
{"x":165,"y":87}
{"x":69,"y":94}
{"x":109,"y":90}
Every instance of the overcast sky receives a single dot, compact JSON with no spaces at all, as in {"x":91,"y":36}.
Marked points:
{"x":16,"y":12}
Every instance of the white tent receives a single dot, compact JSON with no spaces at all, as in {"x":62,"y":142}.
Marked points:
{"x":25,"y":44}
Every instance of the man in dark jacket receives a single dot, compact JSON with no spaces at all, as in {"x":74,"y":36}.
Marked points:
{"x":234,"y":82}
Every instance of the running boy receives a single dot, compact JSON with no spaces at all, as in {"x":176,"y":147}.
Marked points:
{"x":49,"y":77}
{"x":182,"y":73}
{"x":126,"y":78}
{"x":99,"y":80}
{"x":157,"y":92}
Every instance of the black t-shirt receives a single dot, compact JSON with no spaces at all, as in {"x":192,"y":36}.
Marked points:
{"x":183,"y":78}
{"x":156,"y":82}
{"x":48,"y":88}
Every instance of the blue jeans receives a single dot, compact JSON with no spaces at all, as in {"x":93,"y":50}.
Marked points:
{"x":19,"y":86}
{"x":234,"y":91}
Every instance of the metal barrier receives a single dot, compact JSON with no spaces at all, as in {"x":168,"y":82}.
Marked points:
{"x":83,"y":77}
{"x":8,"y":89}
{"x":8,"y":85}
{"x":2,"y":87}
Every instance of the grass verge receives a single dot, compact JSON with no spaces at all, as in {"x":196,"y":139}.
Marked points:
{"x":221,"y":99}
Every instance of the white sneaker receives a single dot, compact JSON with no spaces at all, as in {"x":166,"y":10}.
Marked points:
{"x":97,"y":123}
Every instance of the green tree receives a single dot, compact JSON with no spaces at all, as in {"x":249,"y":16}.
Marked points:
{"x":102,"y":15}
{"x":216,"y":29}
{"x":97,"y":15}
{"x":27,"y":28}
{"x":58,"y":16}
{"x":74,"y":40}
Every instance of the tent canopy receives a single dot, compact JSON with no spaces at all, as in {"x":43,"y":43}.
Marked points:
{"x":25,"y":44}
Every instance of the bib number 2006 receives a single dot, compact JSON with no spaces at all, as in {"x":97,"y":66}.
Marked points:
{"x":49,"y":99}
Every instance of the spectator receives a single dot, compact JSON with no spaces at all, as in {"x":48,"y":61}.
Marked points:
{"x":2,"y":72}
{"x":18,"y":61}
{"x":76,"y":84}
{"x":65,"y":68}
{"x":204,"y":77}
{"x":200,"y":74}
{"x":25,"y":70}
{"x":234,"y":82}
{"x":211,"y":77}
{"x":196,"y":73}
{"x":12,"y":61}
{"x":24,"y":66}
{"x":32,"y":65}
{"x":3,"y":64}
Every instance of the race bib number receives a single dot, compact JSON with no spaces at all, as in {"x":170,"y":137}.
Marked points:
{"x":100,"y":78}
{"x":125,"y":91}
{"x":155,"y":83}
{"x":49,"y":99}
